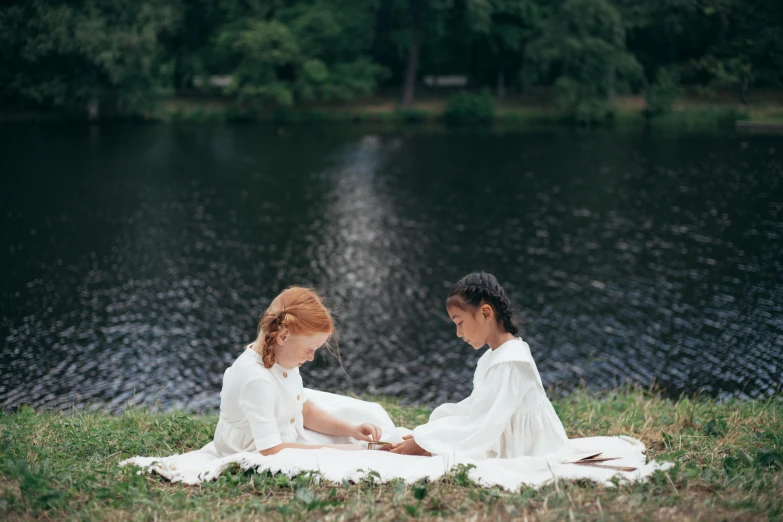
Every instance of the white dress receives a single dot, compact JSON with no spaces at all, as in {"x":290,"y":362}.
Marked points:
{"x":262,"y":407}
{"x":508,"y":415}
{"x":259,"y":407}
{"x":507,"y":430}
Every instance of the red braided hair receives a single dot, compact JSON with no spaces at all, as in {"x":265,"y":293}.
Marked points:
{"x":301,"y":311}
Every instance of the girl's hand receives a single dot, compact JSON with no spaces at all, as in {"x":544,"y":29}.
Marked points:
{"x":396,"y":444}
{"x":366,"y":431}
{"x":392,"y":446}
{"x":409,"y":447}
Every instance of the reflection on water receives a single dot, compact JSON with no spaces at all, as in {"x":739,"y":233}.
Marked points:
{"x":137,"y":259}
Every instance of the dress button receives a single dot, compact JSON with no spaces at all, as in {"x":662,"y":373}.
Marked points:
{"x":293,"y":421}
{"x":298,"y":397}
{"x":285,"y":375}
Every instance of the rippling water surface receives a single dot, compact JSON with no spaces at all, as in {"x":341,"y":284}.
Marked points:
{"x":136,"y":259}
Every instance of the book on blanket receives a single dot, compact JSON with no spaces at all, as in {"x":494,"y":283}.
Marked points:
{"x":595,"y":460}
{"x":377,"y":445}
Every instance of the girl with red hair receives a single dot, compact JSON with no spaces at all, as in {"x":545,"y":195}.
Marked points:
{"x":263,"y":403}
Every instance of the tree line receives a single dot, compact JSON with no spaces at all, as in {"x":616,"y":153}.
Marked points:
{"x":88,"y":54}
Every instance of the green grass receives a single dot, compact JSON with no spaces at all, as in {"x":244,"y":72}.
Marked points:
{"x":729,"y":466}
{"x":687,"y":119}
{"x":697,"y":118}
{"x":697,"y":109}
{"x":694,"y":111}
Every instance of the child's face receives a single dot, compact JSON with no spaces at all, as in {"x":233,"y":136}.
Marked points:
{"x":472,"y":327}
{"x":292,"y":351}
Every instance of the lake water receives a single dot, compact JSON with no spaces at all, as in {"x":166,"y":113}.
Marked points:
{"x":137,"y":259}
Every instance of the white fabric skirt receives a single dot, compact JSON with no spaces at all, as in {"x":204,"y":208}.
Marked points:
{"x":337,"y":466}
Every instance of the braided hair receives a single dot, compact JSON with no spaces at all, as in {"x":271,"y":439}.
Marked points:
{"x":268,"y":333}
{"x":301,"y":311}
{"x":482,"y":287}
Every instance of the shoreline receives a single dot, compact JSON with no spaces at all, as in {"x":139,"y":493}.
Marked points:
{"x":728,"y":455}
{"x":522,"y":112}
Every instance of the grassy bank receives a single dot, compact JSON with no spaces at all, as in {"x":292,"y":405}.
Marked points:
{"x":537,"y":108}
{"x":729,"y":467}
{"x":692,"y":111}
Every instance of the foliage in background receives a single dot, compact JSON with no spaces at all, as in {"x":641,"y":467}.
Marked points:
{"x":663,"y":93}
{"x":470,"y":108}
{"x":502,"y":29}
{"x":309,"y":51}
{"x":582,"y":50}
{"x":88,"y":53}
{"x":123,"y":55}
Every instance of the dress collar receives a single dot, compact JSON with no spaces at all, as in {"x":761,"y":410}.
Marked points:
{"x":281,"y":370}
{"x":515,"y":350}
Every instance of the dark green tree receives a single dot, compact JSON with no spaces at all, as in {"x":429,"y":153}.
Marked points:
{"x":748,"y":45}
{"x":315,"y":50}
{"x":503,"y":28}
{"x":582,"y":50}
{"x":410,"y":27}
{"x":85,"y":55}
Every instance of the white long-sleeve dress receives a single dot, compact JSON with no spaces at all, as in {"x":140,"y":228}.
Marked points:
{"x":259,"y":407}
{"x":508,"y":415}
{"x":507,"y":429}
{"x":262,"y":407}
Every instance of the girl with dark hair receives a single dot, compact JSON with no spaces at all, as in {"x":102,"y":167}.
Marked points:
{"x":508,"y":415}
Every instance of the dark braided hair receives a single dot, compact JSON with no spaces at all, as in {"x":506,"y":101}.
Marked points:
{"x":482,"y":287}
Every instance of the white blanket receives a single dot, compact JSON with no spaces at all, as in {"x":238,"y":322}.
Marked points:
{"x":337,"y":466}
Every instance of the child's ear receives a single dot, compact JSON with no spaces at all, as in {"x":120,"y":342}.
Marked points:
{"x":282,"y":335}
{"x":486,"y":311}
